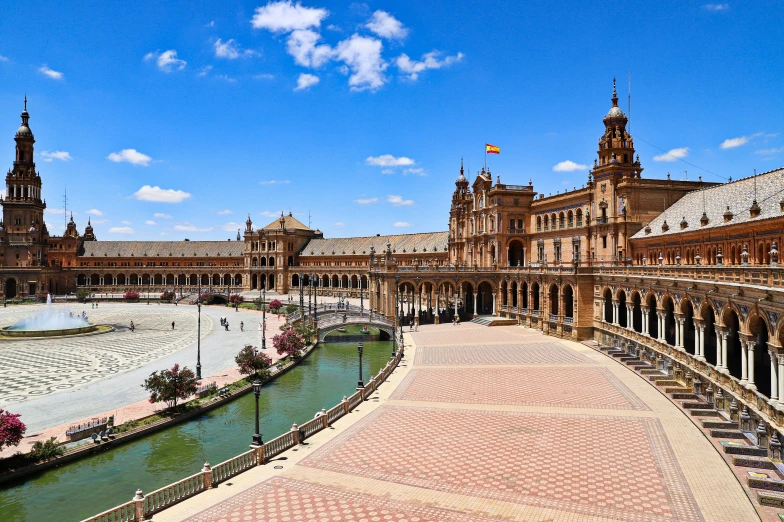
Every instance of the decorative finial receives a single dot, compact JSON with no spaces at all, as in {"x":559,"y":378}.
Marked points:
{"x":25,"y":102}
{"x":615,"y":94}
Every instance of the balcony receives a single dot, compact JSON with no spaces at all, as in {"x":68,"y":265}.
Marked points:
{"x":515,"y":231}
{"x":602,"y":220}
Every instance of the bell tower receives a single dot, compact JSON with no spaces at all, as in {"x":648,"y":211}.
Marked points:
{"x":616,"y":146}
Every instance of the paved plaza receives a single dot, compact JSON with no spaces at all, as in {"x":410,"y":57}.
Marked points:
{"x":500,"y":423}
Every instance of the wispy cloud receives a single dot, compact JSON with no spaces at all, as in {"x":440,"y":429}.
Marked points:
{"x":285,"y":16}
{"x":388,"y":160}
{"x":732,"y":143}
{"x":275,"y":182}
{"x":3,"y":58}
{"x":264,"y":76}
{"x":716,"y":7}
{"x":126,"y":222}
{"x":412,"y":68}
{"x":56,"y":155}
{"x":131,"y":156}
{"x":94,"y":212}
{"x":231,"y":226}
{"x":270,"y":213}
{"x":417,"y":171}
{"x":204,"y":70}
{"x":339,"y":224}
{"x":160,"y":215}
{"x":167,"y":61}
{"x":673,"y":154}
{"x":306,"y":81}
{"x":769,"y":152}
{"x":224,"y":212}
{"x":211,"y":24}
{"x":157,"y":194}
{"x":150,"y":222}
{"x":51,"y":73}
{"x":398,"y":201}
{"x":231,"y":50}
{"x":121,"y":230}
{"x":386,"y":26}
{"x":569,"y":166}
{"x":187,"y":227}
{"x":401,"y":224}
{"x":366,"y":201}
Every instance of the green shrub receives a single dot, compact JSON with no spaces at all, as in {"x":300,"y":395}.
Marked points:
{"x":46,"y":450}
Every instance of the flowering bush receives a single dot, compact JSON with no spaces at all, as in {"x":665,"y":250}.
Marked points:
{"x":236,"y":299}
{"x":275,"y":305}
{"x":130,"y":295}
{"x":206,"y":298}
{"x":11,"y":429}
{"x":168,"y":296}
{"x":289,"y":343}
{"x":252,"y":362}
{"x":172,"y":384}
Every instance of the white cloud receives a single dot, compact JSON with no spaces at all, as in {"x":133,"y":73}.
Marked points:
{"x":362,"y":55}
{"x":58,"y":211}
{"x":388,"y":160}
{"x":131,"y":156}
{"x":333,"y":27}
{"x":731,"y":143}
{"x":275,"y":182}
{"x":225,"y":78}
{"x":430,"y":60}
{"x":166,"y":61}
{"x":401,"y":224}
{"x":94,"y":212}
{"x":386,"y":26}
{"x":285,"y":16}
{"x":160,"y":215}
{"x":417,"y":171}
{"x":55,"y":75}
{"x":268,"y":213}
{"x":121,"y":230}
{"x":225,"y":212}
{"x":56,"y":155}
{"x":230,"y":50}
{"x":366,"y":201}
{"x":398,"y":201}
{"x":263,"y":76}
{"x":339,"y":224}
{"x":387,"y":171}
{"x":124,"y":222}
{"x":211,"y":24}
{"x":302,"y":45}
{"x":769,"y":152}
{"x":716,"y":7}
{"x":3,"y":58}
{"x":148,"y":193}
{"x":569,"y":166}
{"x":231,"y":226}
{"x":204,"y":70}
{"x":150,"y":222}
{"x":673,"y":154}
{"x":305,"y":81}
{"x":187,"y":227}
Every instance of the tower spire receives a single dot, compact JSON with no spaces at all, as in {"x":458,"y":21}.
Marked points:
{"x":615,"y":94}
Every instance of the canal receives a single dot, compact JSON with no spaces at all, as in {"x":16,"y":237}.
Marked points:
{"x":86,"y":487}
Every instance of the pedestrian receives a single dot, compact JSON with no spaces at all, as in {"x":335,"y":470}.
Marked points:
{"x":133,"y":327}
{"x":242,"y":326}
{"x":172,"y":325}
{"x":226,"y":324}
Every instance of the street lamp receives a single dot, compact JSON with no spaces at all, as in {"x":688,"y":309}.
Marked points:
{"x":360,"y":349}
{"x":198,"y":333}
{"x":263,"y":321}
{"x":256,"y":392}
{"x":310,"y":296}
{"x":398,"y":306}
{"x":301,"y":293}
{"x":361,"y":298}
{"x":315,"y":299}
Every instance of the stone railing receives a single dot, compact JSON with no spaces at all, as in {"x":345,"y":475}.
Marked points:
{"x":739,"y":274}
{"x":141,"y":506}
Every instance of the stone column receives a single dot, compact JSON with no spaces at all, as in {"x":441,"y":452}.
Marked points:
{"x":750,"y":364}
{"x":774,"y":377}
{"x":700,"y":331}
{"x":475,"y":299}
{"x":493,"y":310}
{"x":719,"y":361}
{"x":724,"y":368}
{"x":678,"y":344}
{"x":780,"y":360}
{"x":603,"y":309}
{"x":743,"y":367}
{"x":615,"y":306}
{"x":644,"y":316}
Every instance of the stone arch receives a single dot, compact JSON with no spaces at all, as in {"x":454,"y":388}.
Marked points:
{"x":11,"y":287}
{"x":513,"y":287}
{"x":95,"y":279}
{"x":121,"y":279}
{"x":504,"y":293}
{"x":263,"y":261}
{"x":622,"y":315}
{"x":688,"y":339}
{"x":668,"y":305}
{"x":568,"y":301}
{"x":653,"y":323}
{"x":759,"y":330}
{"x":535,"y":297}
{"x":193,"y":280}
{"x":554,"y":295}
{"x":81,"y":280}
{"x":731,"y":322}
{"x":636,"y":310}
{"x":607,"y":312}
{"x":516,"y":253}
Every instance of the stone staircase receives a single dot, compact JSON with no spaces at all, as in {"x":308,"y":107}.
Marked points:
{"x":732,"y":431}
{"x":489,"y":320}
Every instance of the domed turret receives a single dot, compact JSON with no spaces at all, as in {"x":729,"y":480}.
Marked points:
{"x":24,"y":129}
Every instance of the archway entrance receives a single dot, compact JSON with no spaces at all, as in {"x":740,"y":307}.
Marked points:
{"x":653,"y":323}
{"x":688,"y":328}
{"x":516,"y":253}
{"x":568,"y":302}
{"x":637,"y":312}
{"x":10,"y":288}
{"x":622,"y":309}
{"x":485,"y":299}
{"x":608,"y":306}
{"x":761,"y":361}
{"x":669,"y":321}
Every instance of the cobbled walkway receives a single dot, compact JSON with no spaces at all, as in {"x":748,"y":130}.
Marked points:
{"x":493,"y":424}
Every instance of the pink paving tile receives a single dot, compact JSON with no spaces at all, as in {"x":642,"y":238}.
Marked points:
{"x":569,"y":387}
{"x":284,"y":500}
{"x":462,"y":335}
{"x":614,"y":467}
{"x":517,"y":353}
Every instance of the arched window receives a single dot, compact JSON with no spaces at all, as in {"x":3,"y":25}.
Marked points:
{"x":561,"y":220}
{"x":579,"y":217}
{"x":538,"y":223}
{"x":547,"y":222}
{"x":570,"y":219}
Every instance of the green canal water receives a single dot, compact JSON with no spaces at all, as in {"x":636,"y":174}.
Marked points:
{"x":86,"y":487}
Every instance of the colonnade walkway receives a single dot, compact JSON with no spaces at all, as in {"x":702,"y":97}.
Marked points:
{"x":482,"y":424}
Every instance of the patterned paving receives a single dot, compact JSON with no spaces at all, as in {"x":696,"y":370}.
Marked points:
{"x":569,"y":387}
{"x":497,"y":354}
{"x":470,"y":333}
{"x":33,"y":368}
{"x":283,"y":500}
{"x":614,"y":467}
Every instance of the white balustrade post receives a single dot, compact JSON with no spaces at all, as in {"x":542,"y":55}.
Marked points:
{"x":750,"y":364}
{"x":700,"y":331}
{"x":744,"y":376}
{"x":774,"y":379}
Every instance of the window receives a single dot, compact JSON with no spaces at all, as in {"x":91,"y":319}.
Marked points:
{"x":561,"y":220}
{"x":538,"y":223}
{"x":570,"y":219}
{"x":579,"y":217}
{"x":547,"y":222}
{"x":604,"y":241}
{"x":520,"y":224}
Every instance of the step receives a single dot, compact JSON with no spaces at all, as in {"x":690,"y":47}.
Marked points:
{"x":685,"y":396}
{"x":689,"y":405}
{"x":752,"y":451}
{"x":769,"y":499}
{"x":748,"y":461}
{"x":627,"y":358}
{"x":769,"y":484}
{"x":675,"y":389}
{"x":638,"y":364}
{"x":727,"y":434}
{"x":705,"y":413}
{"x":651,"y":371}
{"x":718,"y":424}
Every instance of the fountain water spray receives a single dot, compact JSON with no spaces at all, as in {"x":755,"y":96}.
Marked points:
{"x":50,"y":319}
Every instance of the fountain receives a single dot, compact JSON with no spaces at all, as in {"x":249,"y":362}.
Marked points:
{"x":49,"y":322}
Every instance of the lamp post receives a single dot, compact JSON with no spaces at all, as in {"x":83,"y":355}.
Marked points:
{"x":398,"y":306}
{"x":198,"y":333}
{"x":263,"y":321}
{"x":256,"y":392}
{"x":301,"y":293}
{"x":360,"y":349}
{"x":361,"y":298}
{"x":315,"y":301}
{"x":310,"y":296}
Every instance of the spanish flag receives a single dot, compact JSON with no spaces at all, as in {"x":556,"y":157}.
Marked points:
{"x":492,"y":149}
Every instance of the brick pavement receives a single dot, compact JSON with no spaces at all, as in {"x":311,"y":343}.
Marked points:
{"x":494,"y":424}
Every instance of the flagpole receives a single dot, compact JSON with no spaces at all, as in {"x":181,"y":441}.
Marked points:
{"x":485,"y":158}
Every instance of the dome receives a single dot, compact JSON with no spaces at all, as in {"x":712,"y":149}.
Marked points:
{"x":24,"y":132}
{"x":615,"y":112}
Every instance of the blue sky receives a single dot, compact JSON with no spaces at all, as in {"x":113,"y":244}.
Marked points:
{"x":177,"y":119}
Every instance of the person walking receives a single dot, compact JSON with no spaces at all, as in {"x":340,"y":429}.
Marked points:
{"x":242,"y":326}
{"x":226,"y":324}
{"x":133,"y":327}
{"x":172,"y":325}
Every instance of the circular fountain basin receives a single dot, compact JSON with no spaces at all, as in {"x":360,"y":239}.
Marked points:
{"x":6,"y":333}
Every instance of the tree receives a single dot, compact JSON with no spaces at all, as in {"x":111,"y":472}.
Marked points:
{"x":82,"y":294}
{"x":289,"y":343}
{"x":290,"y":309}
{"x":275,"y":306}
{"x":304,"y":329}
{"x":252,"y":362}
{"x":11,"y":429}
{"x":171,"y":384}
{"x":236,"y":299}
{"x":131,"y":296}
{"x":168,"y":296}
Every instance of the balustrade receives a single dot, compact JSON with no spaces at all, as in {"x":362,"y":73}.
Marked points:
{"x":169,"y":495}
{"x":234,"y":466}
